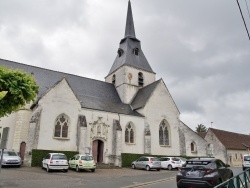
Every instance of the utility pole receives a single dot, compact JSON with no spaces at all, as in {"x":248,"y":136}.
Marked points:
{"x":211,"y":124}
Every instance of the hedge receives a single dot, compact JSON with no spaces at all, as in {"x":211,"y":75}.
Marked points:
{"x":38,"y":155}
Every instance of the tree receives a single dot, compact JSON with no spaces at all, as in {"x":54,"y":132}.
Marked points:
{"x":201,"y":128}
{"x":16,"y":89}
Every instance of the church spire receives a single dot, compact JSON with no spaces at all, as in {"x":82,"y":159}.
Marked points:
{"x":130,"y":29}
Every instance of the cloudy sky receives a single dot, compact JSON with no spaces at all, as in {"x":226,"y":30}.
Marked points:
{"x":200,"y":48}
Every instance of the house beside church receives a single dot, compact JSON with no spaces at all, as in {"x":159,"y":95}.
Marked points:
{"x":129,"y":112}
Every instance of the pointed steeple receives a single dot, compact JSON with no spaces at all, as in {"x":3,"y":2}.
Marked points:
{"x":130,"y":29}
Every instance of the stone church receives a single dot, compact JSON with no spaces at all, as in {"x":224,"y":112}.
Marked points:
{"x":129,"y":112}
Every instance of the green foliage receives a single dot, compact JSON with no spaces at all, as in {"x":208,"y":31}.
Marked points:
{"x":20,"y":87}
{"x":38,"y":155}
{"x":2,"y":94}
{"x":201,"y":128}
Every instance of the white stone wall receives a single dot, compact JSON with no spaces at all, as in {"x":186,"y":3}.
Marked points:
{"x":161,"y":106}
{"x":9,"y":121}
{"x":219,"y":150}
{"x":127,"y":82}
{"x":22,"y":128}
{"x":193,"y":137}
{"x":59,"y":100}
{"x":235,"y":157}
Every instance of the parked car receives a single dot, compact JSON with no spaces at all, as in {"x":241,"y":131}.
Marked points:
{"x":203,"y":172}
{"x":246,"y":162}
{"x":10,"y":158}
{"x":147,"y":163}
{"x":55,"y":161}
{"x":170,"y":163}
{"x":82,"y":162}
{"x":183,"y":160}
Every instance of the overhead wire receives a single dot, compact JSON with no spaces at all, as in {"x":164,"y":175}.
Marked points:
{"x":243,"y":19}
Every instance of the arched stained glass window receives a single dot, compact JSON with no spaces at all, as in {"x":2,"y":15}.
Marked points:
{"x":129,"y":134}
{"x":61,"y":126}
{"x":164,"y":134}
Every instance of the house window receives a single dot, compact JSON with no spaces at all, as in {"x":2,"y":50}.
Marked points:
{"x":120,"y":52}
{"x":210,"y":149}
{"x":113,"y":79}
{"x":164,"y":134}
{"x":136,"y":51}
{"x":130,"y":134}
{"x":235,"y":155}
{"x":193,"y":147}
{"x":140,"y":79}
{"x":61,"y":126}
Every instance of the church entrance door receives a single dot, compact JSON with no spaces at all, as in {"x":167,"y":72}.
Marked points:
{"x":97,"y":150}
{"x":22,"y":150}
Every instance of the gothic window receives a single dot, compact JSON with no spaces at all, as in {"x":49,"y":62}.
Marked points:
{"x":113,"y":79}
{"x":193,"y":147}
{"x":120,"y":52}
{"x":136,"y":51}
{"x":140,"y":79}
{"x":164,"y":134}
{"x":130,"y":134}
{"x":61,"y":126}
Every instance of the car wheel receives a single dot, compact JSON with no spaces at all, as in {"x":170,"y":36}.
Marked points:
{"x":158,"y":169}
{"x":93,"y":170}
{"x":48,"y":170}
{"x":65,"y":170}
{"x":133,"y":166}
{"x":147,"y":168}
{"x":244,"y":169}
{"x":77,"y":169}
{"x":170,"y":167}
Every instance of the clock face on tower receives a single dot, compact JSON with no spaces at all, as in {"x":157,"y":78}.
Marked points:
{"x":129,"y":76}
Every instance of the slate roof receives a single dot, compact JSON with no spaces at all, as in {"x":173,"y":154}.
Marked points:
{"x":232,"y":140}
{"x":143,"y":95}
{"x":94,"y":94}
{"x":127,"y":45}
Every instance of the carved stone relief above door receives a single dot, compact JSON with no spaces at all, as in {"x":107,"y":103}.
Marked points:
{"x":99,"y":129}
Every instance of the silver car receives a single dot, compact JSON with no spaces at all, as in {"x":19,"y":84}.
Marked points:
{"x":10,"y":158}
{"x":147,"y":163}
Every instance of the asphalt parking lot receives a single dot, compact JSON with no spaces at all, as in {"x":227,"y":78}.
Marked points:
{"x":38,"y":177}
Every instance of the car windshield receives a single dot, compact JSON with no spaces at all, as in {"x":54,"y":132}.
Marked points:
{"x":87,"y":158}
{"x":9,"y":153}
{"x":199,"y":164}
{"x":183,"y":159}
{"x":175,"y":159}
{"x":59,"y":157}
{"x":246,"y":158}
{"x":155,"y":159}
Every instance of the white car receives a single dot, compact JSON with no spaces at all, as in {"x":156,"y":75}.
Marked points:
{"x":55,"y":161}
{"x":183,"y":160}
{"x":170,"y":163}
{"x":246,"y":162}
{"x":10,"y":158}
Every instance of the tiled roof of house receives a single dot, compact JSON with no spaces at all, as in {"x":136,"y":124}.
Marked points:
{"x":202,"y":134}
{"x":232,"y":140}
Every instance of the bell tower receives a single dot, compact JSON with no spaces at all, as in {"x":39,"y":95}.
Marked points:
{"x":130,"y":70}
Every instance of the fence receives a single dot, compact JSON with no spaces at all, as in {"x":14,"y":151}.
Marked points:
{"x":242,"y":180}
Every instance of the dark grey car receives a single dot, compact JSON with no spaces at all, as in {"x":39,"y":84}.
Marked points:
{"x":147,"y":163}
{"x":203,"y":172}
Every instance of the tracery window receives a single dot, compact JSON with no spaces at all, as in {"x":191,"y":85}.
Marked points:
{"x":164,"y":134}
{"x":61,"y":126}
{"x":130,"y":134}
{"x":140,"y":79}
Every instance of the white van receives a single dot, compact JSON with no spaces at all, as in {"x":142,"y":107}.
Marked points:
{"x":246,"y":162}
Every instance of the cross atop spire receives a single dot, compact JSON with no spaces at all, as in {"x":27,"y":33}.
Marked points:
{"x":130,"y":29}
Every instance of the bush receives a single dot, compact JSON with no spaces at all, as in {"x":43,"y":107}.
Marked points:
{"x":38,"y":155}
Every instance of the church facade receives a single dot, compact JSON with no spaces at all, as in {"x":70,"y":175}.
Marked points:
{"x":129,"y":112}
